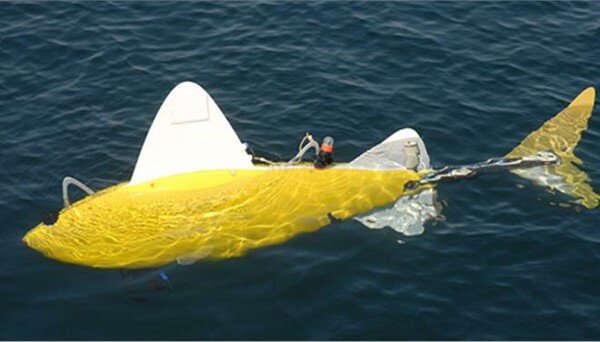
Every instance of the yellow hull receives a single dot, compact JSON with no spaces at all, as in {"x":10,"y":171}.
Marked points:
{"x":210,"y":214}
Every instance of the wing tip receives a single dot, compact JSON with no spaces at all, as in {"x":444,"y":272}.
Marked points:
{"x":585,"y":98}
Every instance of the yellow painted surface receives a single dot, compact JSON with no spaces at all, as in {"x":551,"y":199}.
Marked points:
{"x":561,"y":134}
{"x":209,"y":214}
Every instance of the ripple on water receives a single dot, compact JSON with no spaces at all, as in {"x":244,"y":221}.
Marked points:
{"x":81,"y":82}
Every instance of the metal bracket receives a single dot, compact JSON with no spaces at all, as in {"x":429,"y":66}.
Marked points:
{"x":451,"y":173}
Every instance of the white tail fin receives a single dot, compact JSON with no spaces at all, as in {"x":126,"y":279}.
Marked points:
{"x":189,"y":133}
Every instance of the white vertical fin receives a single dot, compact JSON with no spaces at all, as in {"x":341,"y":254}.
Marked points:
{"x":189,"y":133}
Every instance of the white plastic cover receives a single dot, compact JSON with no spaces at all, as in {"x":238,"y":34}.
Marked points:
{"x":389,"y":154}
{"x":189,"y":133}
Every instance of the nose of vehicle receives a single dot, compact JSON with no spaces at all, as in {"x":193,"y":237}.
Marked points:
{"x":40,"y":239}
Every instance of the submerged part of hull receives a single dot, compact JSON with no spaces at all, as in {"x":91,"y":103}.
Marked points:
{"x":407,"y":216}
{"x":184,"y":218}
{"x":561,"y":134}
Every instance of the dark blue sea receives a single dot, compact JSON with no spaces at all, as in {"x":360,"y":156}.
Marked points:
{"x":81,"y":82}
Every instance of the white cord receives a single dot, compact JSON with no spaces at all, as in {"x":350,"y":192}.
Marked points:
{"x":303,"y":149}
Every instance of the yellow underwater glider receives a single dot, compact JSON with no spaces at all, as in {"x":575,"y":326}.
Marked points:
{"x":195,"y":192}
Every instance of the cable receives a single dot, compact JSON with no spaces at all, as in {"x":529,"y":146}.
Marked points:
{"x":303,"y":149}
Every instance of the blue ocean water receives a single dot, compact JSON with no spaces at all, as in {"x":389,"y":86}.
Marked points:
{"x":80,"y":84}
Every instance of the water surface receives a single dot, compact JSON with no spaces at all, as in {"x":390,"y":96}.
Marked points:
{"x":81,"y":82}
